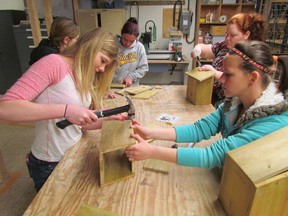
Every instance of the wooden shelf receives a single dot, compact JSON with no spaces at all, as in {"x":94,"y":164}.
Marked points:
{"x":218,"y":9}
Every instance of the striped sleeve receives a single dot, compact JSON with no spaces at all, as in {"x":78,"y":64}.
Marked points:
{"x":49,"y":70}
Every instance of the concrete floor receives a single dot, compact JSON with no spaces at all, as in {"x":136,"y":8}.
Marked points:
{"x":17,"y":191}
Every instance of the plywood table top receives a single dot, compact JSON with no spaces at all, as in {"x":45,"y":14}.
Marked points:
{"x":183,"y":191}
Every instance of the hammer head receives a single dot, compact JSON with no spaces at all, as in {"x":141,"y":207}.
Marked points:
{"x":131,"y":110}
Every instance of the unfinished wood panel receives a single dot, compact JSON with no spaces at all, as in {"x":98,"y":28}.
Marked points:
{"x":167,"y":23}
{"x":86,"y":210}
{"x":47,"y":6}
{"x":157,"y":166}
{"x":34,"y":21}
{"x":3,"y":170}
{"x":200,"y":87}
{"x":75,"y":5}
{"x":255,"y":177}
{"x":134,"y":90}
{"x":118,"y":85}
{"x":114,"y":164}
{"x":146,"y":95}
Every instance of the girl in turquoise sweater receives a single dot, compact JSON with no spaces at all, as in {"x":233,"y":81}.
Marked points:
{"x":255,"y":106}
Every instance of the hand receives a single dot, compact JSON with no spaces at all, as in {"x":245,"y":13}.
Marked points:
{"x":120,"y":117}
{"x":144,"y":132}
{"x":98,"y":124}
{"x":127,"y":81}
{"x":111,"y":95}
{"x":80,"y":115}
{"x":196,"y":52}
{"x":218,"y":74}
{"x":207,"y":67}
{"x":140,"y":151}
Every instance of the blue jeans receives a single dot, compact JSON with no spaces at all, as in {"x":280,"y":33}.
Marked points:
{"x":39,"y":170}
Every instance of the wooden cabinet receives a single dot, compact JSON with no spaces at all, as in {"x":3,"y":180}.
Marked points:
{"x":10,"y":69}
{"x":212,"y":16}
{"x":276,"y":13}
{"x":24,"y":42}
{"x":112,"y":19}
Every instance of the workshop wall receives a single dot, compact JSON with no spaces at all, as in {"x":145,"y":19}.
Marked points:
{"x":146,"y":12}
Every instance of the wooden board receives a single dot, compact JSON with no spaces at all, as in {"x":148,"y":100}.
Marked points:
{"x":137,"y":89}
{"x":146,"y":95}
{"x":115,"y":135}
{"x":86,"y":210}
{"x":157,"y":166}
{"x":118,"y":85}
{"x":113,"y":163}
{"x":168,"y":21}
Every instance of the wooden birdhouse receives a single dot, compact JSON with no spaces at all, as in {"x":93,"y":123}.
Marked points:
{"x":255,"y":177}
{"x":199,"y":86}
{"x":113,"y":163}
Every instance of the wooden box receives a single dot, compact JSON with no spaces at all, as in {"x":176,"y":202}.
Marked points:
{"x":199,"y":86}
{"x":255,"y":177}
{"x":217,"y":30}
{"x":113,"y":163}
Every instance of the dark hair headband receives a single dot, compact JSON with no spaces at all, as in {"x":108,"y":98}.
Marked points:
{"x":250,"y":61}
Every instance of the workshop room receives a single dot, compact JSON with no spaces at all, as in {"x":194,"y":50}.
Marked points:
{"x":144,"y":107}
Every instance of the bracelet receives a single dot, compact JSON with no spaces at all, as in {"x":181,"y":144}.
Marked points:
{"x":65,"y":110}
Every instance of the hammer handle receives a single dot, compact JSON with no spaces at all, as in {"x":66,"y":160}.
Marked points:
{"x":64,"y":123}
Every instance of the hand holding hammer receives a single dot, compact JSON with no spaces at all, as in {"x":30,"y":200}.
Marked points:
{"x":129,"y":108}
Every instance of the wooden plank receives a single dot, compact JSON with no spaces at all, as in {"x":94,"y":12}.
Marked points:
{"x":86,"y":210}
{"x":47,"y":6}
{"x":266,"y":167}
{"x":34,"y":21}
{"x":113,"y":163}
{"x":167,"y":24}
{"x":75,"y":5}
{"x":146,"y":94}
{"x":3,"y":170}
{"x":115,"y":135}
{"x":118,"y":85}
{"x":157,"y":166}
{"x":133,"y":90}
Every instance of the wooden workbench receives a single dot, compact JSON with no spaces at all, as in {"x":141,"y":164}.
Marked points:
{"x":184,"y":191}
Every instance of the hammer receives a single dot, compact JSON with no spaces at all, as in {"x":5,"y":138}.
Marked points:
{"x":129,"y":108}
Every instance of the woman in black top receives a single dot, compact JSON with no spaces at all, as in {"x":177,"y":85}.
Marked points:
{"x":64,"y":32}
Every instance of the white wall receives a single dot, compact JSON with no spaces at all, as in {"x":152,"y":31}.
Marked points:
{"x":12,"y":5}
{"x":155,"y":13}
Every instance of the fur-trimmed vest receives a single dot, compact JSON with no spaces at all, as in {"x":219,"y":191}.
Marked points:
{"x":269,"y":103}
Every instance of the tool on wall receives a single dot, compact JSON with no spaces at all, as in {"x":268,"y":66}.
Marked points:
{"x":134,"y":3}
{"x":178,"y":2}
{"x":129,"y":108}
{"x":148,"y":36}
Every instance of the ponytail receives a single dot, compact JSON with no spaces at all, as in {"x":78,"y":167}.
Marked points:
{"x":283,"y":82}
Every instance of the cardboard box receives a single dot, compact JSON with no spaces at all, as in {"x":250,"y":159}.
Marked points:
{"x":255,"y":177}
{"x":200,"y":86}
{"x":216,"y":30}
{"x":113,"y":163}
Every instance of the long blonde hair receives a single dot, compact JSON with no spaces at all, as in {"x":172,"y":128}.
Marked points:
{"x":84,"y":52}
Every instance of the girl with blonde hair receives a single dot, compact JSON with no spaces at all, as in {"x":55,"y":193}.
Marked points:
{"x":59,"y":87}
